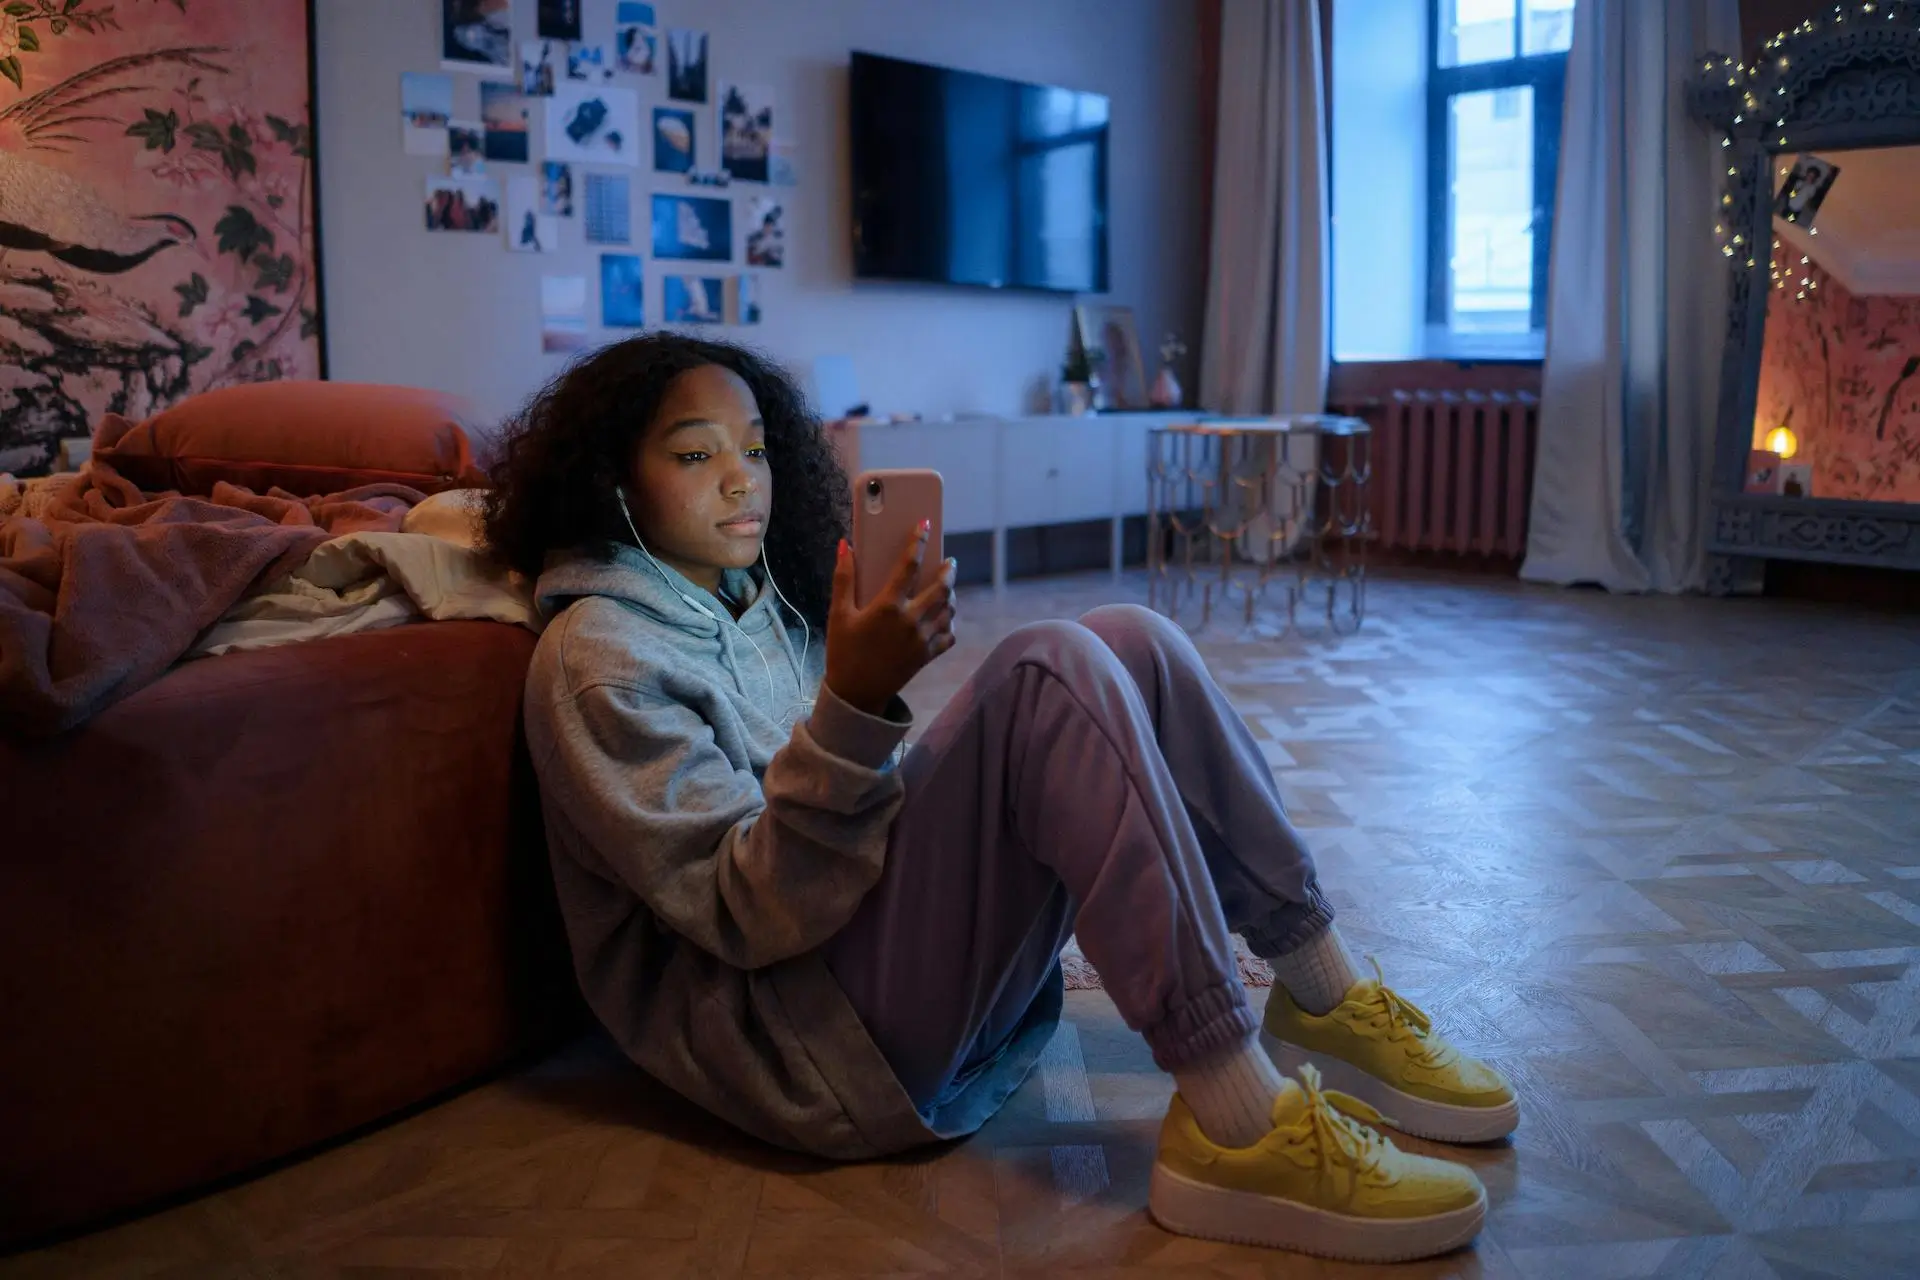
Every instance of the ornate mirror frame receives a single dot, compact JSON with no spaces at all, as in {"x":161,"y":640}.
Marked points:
{"x":1848,"y":79}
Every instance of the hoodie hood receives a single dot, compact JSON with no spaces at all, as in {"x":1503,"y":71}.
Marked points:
{"x":655,"y":589}
{"x":773,"y":671}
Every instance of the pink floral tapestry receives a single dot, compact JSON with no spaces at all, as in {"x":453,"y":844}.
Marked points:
{"x":156,"y":209}
{"x":1843,"y":373}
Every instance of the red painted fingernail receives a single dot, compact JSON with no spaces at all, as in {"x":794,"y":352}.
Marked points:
{"x":842,"y":553}
{"x":926,"y":526}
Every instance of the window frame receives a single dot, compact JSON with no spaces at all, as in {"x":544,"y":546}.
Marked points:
{"x":1546,"y":74}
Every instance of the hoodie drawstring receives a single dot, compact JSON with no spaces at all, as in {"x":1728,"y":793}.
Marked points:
{"x":731,"y":658}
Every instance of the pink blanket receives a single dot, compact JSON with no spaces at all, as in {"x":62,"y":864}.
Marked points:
{"x":108,"y":586}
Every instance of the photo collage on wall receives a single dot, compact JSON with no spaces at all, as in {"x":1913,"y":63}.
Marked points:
{"x":562,"y":107}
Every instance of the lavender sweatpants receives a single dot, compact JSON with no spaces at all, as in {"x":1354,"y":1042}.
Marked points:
{"x":1090,"y":778}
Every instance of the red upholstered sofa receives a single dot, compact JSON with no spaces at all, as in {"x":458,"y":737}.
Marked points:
{"x":268,"y":899}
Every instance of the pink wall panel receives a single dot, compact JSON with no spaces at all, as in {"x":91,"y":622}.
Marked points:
{"x":1844,"y":373}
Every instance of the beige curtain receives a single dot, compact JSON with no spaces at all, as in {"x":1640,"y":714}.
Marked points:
{"x":1636,"y":305}
{"x":1264,"y":345}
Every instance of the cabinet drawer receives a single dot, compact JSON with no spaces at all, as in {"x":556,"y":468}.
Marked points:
{"x":1054,"y":472}
{"x":962,"y":452}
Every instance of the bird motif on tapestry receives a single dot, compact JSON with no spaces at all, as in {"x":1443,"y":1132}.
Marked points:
{"x":44,"y":210}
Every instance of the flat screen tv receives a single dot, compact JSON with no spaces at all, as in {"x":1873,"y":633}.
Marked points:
{"x":969,"y":179}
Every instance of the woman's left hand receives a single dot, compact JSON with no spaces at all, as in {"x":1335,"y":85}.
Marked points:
{"x":872,"y":651}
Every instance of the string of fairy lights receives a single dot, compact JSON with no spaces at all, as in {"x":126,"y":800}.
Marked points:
{"x":1783,"y":280}
{"x":1753,"y":82}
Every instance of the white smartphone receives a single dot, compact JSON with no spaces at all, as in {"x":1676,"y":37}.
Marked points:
{"x":888,"y":507}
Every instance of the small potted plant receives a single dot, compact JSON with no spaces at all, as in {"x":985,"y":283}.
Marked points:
{"x":1166,"y":387}
{"x":1080,"y":379}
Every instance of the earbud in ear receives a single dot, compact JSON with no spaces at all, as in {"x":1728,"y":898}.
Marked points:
{"x":621,"y":493}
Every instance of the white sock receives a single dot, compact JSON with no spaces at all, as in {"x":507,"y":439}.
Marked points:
{"x":1318,"y":973}
{"x":1232,"y":1093}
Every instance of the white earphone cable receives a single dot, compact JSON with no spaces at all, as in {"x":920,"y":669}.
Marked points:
{"x":695,"y":604}
{"x":806,"y":632}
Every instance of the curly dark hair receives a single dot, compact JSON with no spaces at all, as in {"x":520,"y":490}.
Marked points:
{"x":563,"y":455}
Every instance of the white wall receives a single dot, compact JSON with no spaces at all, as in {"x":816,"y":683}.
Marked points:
{"x":460,"y":312}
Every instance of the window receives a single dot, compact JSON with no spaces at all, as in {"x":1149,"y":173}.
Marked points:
{"x":1446,"y":134}
{"x":1493,"y":140}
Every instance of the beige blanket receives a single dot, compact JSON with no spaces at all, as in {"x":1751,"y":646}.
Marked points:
{"x":432,"y":568}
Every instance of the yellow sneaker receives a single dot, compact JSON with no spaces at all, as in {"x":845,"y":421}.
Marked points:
{"x":1381,"y":1048}
{"x":1323,"y":1182}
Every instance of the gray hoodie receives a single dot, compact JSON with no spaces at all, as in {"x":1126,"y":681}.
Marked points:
{"x":711,"y":825}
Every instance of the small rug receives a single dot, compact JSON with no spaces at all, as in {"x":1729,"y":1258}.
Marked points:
{"x":1082,"y":976}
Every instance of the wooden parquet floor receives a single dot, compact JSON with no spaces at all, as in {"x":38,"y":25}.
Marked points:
{"x":1658,"y":859}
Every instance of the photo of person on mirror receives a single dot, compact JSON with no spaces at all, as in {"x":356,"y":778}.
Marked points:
{"x":1806,"y":186}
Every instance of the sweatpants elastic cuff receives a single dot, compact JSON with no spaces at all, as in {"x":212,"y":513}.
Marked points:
{"x":1292,"y":926}
{"x":1217,"y":1017}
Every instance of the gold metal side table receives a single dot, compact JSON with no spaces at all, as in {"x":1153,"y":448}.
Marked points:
{"x":1239,"y":505}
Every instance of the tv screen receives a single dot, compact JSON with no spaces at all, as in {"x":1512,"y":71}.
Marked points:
{"x":970,"y":179}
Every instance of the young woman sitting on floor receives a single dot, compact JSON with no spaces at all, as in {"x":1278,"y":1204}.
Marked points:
{"x":852,"y":951}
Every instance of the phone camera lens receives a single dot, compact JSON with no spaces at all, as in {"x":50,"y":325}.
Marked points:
{"x":873,"y":488}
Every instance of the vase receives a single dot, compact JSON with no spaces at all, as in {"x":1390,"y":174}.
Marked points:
{"x":1165,"y":393}
{"x":1076,"y":398}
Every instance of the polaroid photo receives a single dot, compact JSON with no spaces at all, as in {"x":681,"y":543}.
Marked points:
{"x":463,"y":204}
{"x":621,"y":287}
{"x":636,"y":41}
{"x":687,"y":65}
{"x":1764,"y":472}
{"x":466,"y":148}
{"x":529,"y":230}
{"x":692,"y":300}
{"x":746,"y":131}
{"x":673,"y":140}
{"x":556,"y":189}
{"x":589,"y":62}
{"x":744,"y":305}
{"x":426,"y":106}
{"x":766,"y":232}
{"x":477,"y":36}
{"x":540,"y":63}
{"x":563,"y":313}
{"x":692,"y":228}
{"x":598,"y":125}
{"x":1806,"y":185}
{"x":559,"y":19}
{"x":609,"y":218}
{"x":507,"y":115}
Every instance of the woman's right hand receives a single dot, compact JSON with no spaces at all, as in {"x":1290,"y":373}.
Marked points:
{"x":874,"y":649}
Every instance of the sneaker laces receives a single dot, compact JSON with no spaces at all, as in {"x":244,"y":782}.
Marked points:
{"x":1341,"y":1126}
{"x":1403,"y":1018}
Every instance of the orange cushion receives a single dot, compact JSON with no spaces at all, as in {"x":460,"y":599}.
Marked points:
{"x":304,"y":437}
